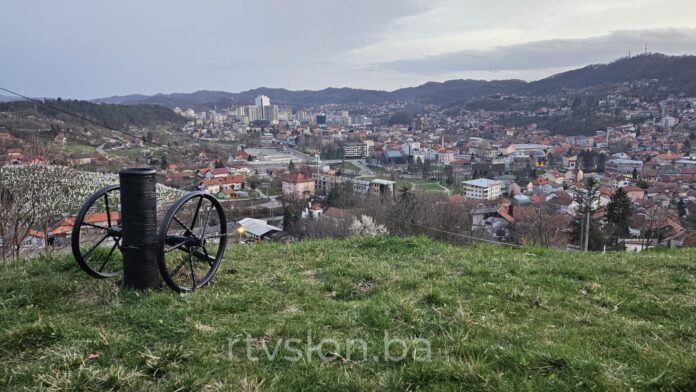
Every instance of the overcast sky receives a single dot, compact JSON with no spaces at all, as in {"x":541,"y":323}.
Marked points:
{"x":89,"y":49}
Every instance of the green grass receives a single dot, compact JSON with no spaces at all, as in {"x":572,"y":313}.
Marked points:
{"x":347,"y":165}
{"x":495,"y":318}
{"x":72,"y":148}
{"x":430,"y":187}
{"x":378,"y":169}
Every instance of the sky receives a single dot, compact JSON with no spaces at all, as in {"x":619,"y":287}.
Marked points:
{"x":90,"y":49}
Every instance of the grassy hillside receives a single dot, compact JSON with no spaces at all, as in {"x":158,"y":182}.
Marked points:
{"x":118,"y":116}
{"x":494,"y":318}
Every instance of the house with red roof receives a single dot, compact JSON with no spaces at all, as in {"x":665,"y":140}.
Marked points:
{"x":298,"y":186}
{"x":216,"y":184}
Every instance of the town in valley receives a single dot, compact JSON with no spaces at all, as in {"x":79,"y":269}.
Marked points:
{"x":602,"y":167}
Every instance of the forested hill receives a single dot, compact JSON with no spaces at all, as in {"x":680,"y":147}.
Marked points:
{"x":117,"y":116}
{"x":677,"y":74}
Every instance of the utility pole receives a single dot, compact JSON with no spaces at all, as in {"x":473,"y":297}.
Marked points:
{"x":582,"y":233}
{"x":587,"y":231}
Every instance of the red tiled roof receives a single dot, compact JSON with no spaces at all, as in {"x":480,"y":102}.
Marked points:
{"x":503,"y":212}
{"x":631,"y":188}
{"x":297,"y":178}
{"x":223,"y":180}
{"x":336,"y":213}
{"x":100,"y":217}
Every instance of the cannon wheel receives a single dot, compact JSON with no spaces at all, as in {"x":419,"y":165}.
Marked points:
{"x":97,"y":246}
{"x":192,"y":240}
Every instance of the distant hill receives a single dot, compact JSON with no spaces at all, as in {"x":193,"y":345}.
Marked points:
{"x":456,"y":90}
{"x":118,"y":116}
{"x":198,"y":100}
{"x":677,"y":73}
{"x":7,"y":98}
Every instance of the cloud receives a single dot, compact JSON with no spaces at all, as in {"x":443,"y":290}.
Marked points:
{"x":101,"y":48}
{"x":554,"y":53}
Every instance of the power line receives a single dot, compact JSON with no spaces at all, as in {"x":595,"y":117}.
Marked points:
{"x":40,"y":102}
{"x":458,"y":234}
{"x":500,"y":243}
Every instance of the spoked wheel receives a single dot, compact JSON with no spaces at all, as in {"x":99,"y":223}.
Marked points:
{"x":192,"y":240}
{"x":96,"y":234}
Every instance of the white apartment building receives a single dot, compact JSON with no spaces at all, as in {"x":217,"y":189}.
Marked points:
{"x":482,"y":189}
{"x":355,"y":150}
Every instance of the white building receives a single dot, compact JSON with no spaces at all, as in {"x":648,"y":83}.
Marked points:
{"x":482,"y":189}
{"x":355,"y":150}
{"x":265,"y":110}
{"x":262,"y":101}
{"x":624,"y":166}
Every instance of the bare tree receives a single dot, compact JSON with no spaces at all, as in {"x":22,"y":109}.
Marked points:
{"x":533,"y":225}
{"x":655,"y":219}
{"x":324,"y":227}
{"x":416,"y":213}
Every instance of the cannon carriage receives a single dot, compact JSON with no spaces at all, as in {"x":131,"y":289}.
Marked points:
{"x":116,"y":233}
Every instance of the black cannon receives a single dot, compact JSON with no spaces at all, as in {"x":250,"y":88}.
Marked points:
{"x":115,"y":233}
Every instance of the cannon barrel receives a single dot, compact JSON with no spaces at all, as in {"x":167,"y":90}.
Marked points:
{"x":139,"y":228}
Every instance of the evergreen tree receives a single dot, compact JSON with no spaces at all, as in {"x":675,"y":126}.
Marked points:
{"x":635,"y":173}
{"x":427,"y":168}
{"x":601,"y":162}
{"x":449,"y":173}
{"x":163,"y":162}
{"x":287,"y":219}
{"x":619,"y":211}
{"x":681,"y":208}
{"x":334,"y":197}
{"x":587,"y":199}
{"x":291,"y":166}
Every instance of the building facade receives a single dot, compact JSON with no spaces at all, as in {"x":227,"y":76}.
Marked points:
{"x":298,"y":186}
{"x":482,"y":189}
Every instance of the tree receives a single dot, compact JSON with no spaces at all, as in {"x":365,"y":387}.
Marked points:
{"x":681,"y":208}
{"x":365,"y":226}
{"x":334,"y":197}
{"x":288,"y":219}
{"x":687,"y":147}
{"x":655,"y":220}
{"x":634,"y":174}
{"x":532,"y":225}
{"x":449,"y":173}
{"x":586,"y":231}
{"x":291,"y":166}
{"x":30,"y":196}
{"x":601,"y":162}
{"x":619,"y":211}
{"x":163,"y":162}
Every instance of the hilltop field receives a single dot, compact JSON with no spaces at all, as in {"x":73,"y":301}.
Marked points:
{"x":380,"y":313}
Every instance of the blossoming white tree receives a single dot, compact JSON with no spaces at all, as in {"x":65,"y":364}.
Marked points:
{"x":31,"y":195}
{"x":365,"y":226}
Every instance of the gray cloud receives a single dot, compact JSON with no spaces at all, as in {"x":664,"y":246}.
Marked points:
{"x":553,"y":53}
{"x":92,"y":48}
